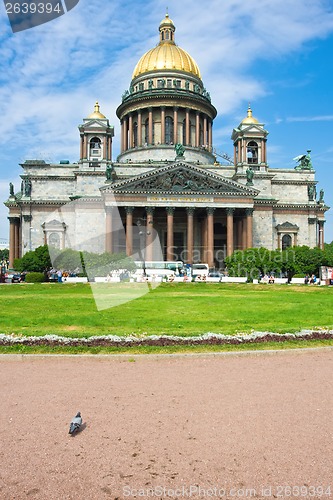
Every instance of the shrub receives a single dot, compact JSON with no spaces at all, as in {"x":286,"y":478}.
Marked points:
{"x":35,"y":278}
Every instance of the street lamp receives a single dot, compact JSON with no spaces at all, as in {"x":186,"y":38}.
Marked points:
{"x":142,"y":247}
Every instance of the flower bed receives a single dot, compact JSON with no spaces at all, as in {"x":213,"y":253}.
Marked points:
{"x":164,"y":340}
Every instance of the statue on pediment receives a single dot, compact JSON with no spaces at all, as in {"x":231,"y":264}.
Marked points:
{"x":180,"y":150}
{"x":249,"y":176}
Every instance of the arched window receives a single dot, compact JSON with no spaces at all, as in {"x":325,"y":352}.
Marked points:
{"x":135,"y":134}
{"x":286,"y":241}
{"x":168,"y":130}
{"x":95,"y":146}
{"x":252,"y":152}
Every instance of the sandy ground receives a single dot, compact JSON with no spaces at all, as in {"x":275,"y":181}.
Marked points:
{"x":222,"y":426}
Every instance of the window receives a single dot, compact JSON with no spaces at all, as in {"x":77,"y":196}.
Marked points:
{"x":95,"y":143}
{"x":252,"y":152}
{"x":286,"y":241}
{"x":135,"y":134}
{"x":54,"y":240}
{"x":168,"y":130}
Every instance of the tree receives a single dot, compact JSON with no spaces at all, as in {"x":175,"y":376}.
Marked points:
{"x":4,"y":254}
{"x":36,"y":260}
{"x":253,"y":262}
{"x":69,"y":260}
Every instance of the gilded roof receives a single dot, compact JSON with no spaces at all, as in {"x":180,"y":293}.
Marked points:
{"x":97,"y":113}
{"x":166,"y":55}
{"x":249,"y":119}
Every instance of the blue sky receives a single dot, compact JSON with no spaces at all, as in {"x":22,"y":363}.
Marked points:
{"x":275,"y":54}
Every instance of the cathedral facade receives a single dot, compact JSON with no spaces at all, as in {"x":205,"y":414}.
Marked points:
{"x":166,"y":178}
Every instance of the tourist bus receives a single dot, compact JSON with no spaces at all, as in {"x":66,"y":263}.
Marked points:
{"x":160,"y":268}
{"x":200,"y":270}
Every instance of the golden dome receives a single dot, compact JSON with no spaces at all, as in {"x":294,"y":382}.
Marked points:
{"x":249,"y":119}
{"x":166,"y":55}
{"x":97,"y":113}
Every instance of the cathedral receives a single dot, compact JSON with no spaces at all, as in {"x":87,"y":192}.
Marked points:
{"x":167,"y":184}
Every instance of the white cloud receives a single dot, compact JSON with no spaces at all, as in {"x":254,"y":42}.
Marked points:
{"x":319,"y":118}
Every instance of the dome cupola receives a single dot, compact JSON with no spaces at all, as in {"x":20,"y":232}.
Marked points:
{"x":166,"y":55}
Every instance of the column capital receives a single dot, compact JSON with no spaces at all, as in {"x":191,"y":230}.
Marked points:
{"x":129,"y":210}
{"x":230,"y":211}
{"x":149,"y":210}
{"x":27,"y":218}
{"x":249,"y":212}
{"x":13,"y":219}
{"x":321,"y":222}
{"x":108,"y":210}
{"x":190,"y":210}
{"x":210,"y":210}
{"x":170,"y":210}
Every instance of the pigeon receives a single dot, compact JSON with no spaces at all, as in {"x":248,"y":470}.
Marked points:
{"x":75,"y":424}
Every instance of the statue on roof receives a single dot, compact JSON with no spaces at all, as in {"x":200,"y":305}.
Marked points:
{"x":321,"y":196}
{"x":312,"y":192}
{"x":249,"y":176}
{"x":180,"y":150}
{"x":109,"y":173}
{"x":27,"y":187}
{"x":304,"y":161}
{"x":11,"y":189}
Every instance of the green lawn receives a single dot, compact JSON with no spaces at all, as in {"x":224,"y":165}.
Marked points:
{"x":179,"y":309}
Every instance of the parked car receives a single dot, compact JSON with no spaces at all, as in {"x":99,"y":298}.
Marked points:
{"x":215,"y":276}
{"x":13,"y":278}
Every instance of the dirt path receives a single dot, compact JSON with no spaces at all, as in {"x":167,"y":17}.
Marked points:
{"x":228,"y":426}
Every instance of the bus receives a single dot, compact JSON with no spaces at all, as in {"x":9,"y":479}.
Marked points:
{"x":200,"y":269}
{"x":160,"y":268}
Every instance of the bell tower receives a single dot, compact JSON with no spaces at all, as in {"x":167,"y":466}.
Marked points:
{"x":249,"y":140}
{"x":96,"y":141}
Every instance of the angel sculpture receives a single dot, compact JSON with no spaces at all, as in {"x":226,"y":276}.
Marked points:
{"x":304,"y":161}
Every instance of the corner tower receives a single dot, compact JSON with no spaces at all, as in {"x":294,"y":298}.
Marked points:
{"x":96,"y":141}
{"x":249,"y":140}
{"x":166,"y":104}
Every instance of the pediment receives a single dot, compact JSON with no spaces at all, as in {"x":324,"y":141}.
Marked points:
{"x":52,"y":224}
{"x":253,"y":129}
{"x":94,"y":124}
{"x":287,"y":226}
{"x":182,"y":179}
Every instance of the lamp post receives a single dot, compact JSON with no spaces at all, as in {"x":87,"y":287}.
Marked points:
{"x":142,"y":247}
